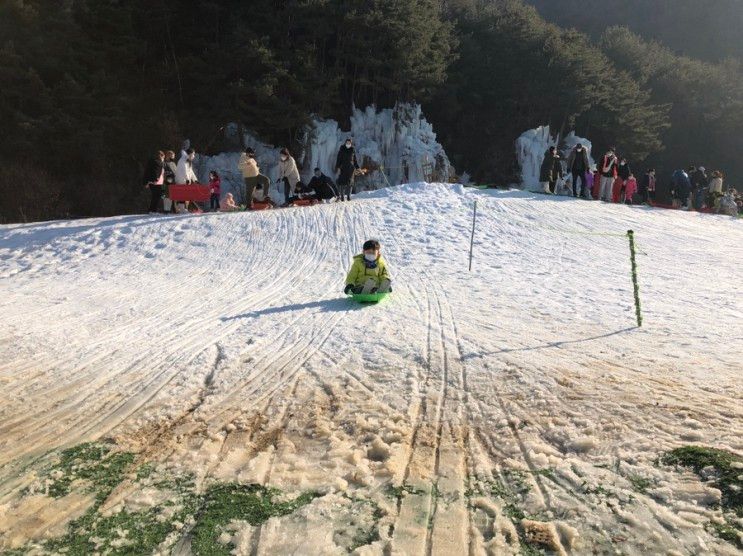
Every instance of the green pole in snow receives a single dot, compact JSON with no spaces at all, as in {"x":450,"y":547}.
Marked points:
{"x":472,"y":239}
{"x":638,"y":310}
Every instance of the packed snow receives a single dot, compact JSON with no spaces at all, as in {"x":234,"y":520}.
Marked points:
{"x":515,"y":399}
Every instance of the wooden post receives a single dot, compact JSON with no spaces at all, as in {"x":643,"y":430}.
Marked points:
{"x":638,"y":310}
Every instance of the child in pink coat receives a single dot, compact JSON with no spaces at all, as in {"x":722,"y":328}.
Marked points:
{"x":630,"y":188}
{"x":228,"y":204}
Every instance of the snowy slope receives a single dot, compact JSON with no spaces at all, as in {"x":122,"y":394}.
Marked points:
{"x":220,"y":344}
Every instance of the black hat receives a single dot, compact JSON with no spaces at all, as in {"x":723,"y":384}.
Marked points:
{"x":371,"y":244}
{"x":249,"y":150}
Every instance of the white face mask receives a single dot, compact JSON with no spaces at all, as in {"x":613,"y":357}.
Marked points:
{"x":348,"y":145}
{"x":371,"y":257}
{"x":283,"y":158}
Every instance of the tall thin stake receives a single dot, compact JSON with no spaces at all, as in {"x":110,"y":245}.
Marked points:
{"x":638,"y":310}
{"x":472,"y":239}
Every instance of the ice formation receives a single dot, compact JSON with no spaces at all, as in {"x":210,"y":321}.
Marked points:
{"x":396,"y":145}
{"x":530,"y":149}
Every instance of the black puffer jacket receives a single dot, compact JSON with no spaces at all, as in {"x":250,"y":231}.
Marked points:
{"x":551,"y":168}
{"x":323,"y":186}
{"x":346,"y":160}
{"x":152,"y":171}
{"x":624,"y":171}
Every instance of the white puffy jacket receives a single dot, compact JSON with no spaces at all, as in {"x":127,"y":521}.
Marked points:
{"x":184,"y":170}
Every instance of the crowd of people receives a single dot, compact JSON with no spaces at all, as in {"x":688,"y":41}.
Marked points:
{"x":612,"y":180}
{"x":162,"y":172}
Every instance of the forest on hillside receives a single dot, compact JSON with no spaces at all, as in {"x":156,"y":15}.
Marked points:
{"x":90,"y":89}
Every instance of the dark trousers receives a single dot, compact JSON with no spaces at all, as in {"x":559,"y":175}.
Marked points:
{"x":287,"y":191}
{"x":250,"y":186}
{"x":345,"y":184}
{"x":552,"y":186}
{"x":214,"y":201}
{"x":582,"y":177}
{"x":156,"y":192}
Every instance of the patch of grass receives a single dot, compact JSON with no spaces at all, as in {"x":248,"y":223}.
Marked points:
{"x":224,"y":503}
{"x":122,"y":533}
{"x":640,"y":484}
{"x":400,"y":491}
{"x":363,"y":536}
{"x":529,"y":549}
{"x":510,"y":496}
{"x":144,"y":471}
{"x":726,"y":476}
{"x":519,"y":480}
{"x":598,"y":489}
{"x":92,"y":462}
{"x":546,"y":472}
{"x":726,"y":531}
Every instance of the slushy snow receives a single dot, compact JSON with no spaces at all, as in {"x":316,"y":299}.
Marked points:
{"x":221,"y":345}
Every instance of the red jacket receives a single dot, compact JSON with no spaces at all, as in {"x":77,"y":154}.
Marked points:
{"x":216,"y":185}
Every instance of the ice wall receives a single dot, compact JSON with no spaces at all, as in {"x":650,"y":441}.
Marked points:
{"x":530,"y":149}
{"x":397,"y":142}
{"x":396,"y":145}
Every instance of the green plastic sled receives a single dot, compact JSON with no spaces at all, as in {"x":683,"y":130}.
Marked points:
{"x":369,"y":297}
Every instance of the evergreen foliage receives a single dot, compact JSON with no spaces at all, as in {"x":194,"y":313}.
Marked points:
{"x":92,"y":88}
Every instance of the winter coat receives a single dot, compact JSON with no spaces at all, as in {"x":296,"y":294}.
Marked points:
{"x":228,"y":203}
{"x":608,"y":167}
{"x":248,"y":166}
{"x":698,"y":179}
{"x":624,"y":171}
{"x":288,"y":170}
{"x":630,"y":188}
{"x":184,"y":170}
{"x":323,"y":186}
{"x":578,"y":161}
{"x":728,"y":205}
{"x":153,"y":171}
{"x":346,"y":162}
{"x":648,"y":183}
{"x":215,"y":185}
{"x":680,"y":183}
{"x":170,"y":170}
{"x":359,"y":273}
{"x":715,"y":185}
{"x":551,"y":168}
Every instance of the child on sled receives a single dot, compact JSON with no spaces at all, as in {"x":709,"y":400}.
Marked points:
{"x":368,"y":272}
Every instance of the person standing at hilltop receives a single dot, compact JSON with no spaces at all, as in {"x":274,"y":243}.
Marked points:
{"x":345,"y":167}
{"x":550,"y":171}
{"x":608,"y":171}
{"x":252,"y":178}
{"x":154,"y":178}
{"x":620,"y":183}
{"x":578,"y":166}
{"x":288,"y":173}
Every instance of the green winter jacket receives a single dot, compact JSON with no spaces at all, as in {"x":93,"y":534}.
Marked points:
{"x":359,"y":274}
